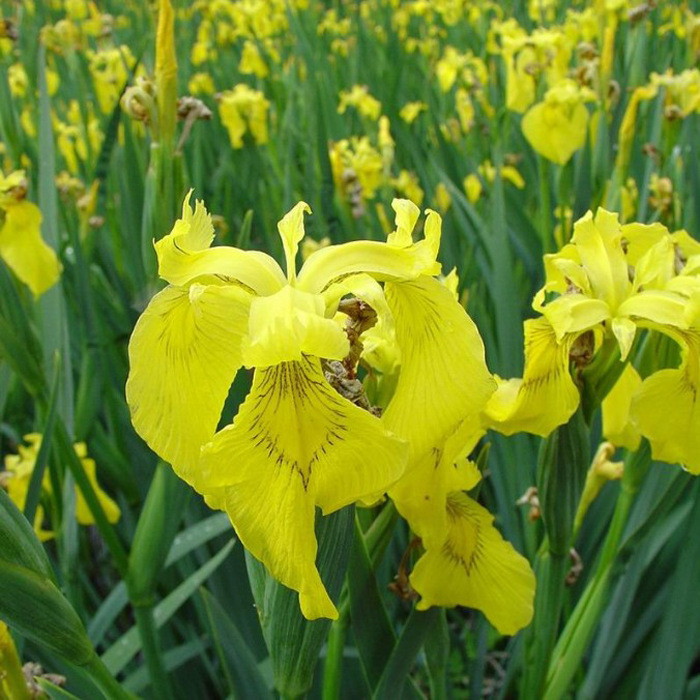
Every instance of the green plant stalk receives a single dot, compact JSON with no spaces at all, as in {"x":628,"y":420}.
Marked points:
{"x":550,"y":570}
{"x":160,"y":682}
{"x":376,"y":539}
{"x":333,"y":666}
{"x":577,"y":634}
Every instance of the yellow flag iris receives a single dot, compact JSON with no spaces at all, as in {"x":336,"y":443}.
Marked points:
{"x":18,"y":473}
{"x":21,"y":245}
{"x":296,"y":442}
{"x":610,"y":281}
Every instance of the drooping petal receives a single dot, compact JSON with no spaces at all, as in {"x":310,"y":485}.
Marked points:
{"x":555,"y":132}
{"x":82,"y":512}
{"x":444,"y":379}
{"x":184,"y":354}
{"x":421,"y":494}
{"x":24,"y":250}
{"x":287,"y":325}
{"x":294,"y":444}
{"x":546,"y":396}
{"x":273,"y":516}
{"x":617,"y":426}
{"x":475,"y":567}
{"x":666,"y":408}
{"x":184,"y":255}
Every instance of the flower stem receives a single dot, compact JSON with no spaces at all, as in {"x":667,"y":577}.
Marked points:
{"x":333,"y":667}
{"x":160,"y":684}
{"x":574,"y":640}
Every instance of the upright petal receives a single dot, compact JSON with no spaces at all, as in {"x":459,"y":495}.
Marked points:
{"x":599,"y":243}
{"x":288,"y":324}
{"x":291,"y":230}
{"x":294,"y":444}
{"x":475,"y":567}
{"x":443,"y":378}
{"x":398,"y":259}
{"x":546,"y":396}
{"x":184,"y":255}
{"x":184,"y":354}
{"x":23,"y":249}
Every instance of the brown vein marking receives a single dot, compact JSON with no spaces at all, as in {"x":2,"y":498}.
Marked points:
{"x":450,"y":550}
{"x":295,"y":382}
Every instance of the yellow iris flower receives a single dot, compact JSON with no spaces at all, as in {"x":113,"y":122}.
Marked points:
{"x":296,"y":443}
{"x":18,"y":473}
{"x":244,"y":109}
{"x":21,"y":245}
{"x":556,"y":127}
{"x":611,"y":280}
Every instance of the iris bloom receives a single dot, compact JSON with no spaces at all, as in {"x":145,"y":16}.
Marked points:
{"x":556,"y":127}
{"x":296,"y":442}
{"x":612,"y":280}
{"x":21,"y":245}
{"x":18,"y":473}
{"x":244,"y":109}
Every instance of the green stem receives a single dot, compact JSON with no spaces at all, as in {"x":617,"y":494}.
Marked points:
{"x":333,"y":667}
{"x":551,"y":570}
{"x":160,"y":684}
{"x":574,"y":640}
{"x":105,"y":681}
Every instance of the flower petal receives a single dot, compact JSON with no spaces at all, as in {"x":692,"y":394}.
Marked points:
{"x":291,"y":230}
{"x":546,"y":396}
{"x":666,"y":408}
{"x":617,"y":426}
{"x":184,"y":255}
{"x":24,"y":250}
{"x":475,"y":567}
{"x":444,"y":378}
{"x":290,"y":323}
{"x":656,"y":306}
{"x":184,"y":354}
{"x":421,"y":494}
{"x":398,"y":259}
{"x":294,"y":444}
{"x":82,"y":511}
{"x":575,"y":313}
{"x":599,"y":244}
{"x":273,"y":516}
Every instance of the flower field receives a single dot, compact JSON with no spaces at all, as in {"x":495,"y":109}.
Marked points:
{"x":349,"y":349}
